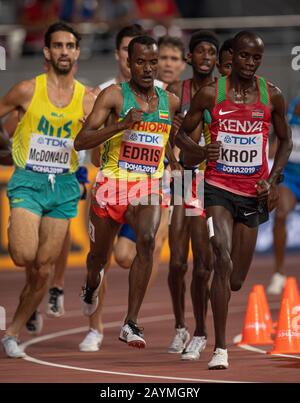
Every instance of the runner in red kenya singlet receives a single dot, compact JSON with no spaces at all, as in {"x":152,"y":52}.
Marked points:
{"x":239,"y":190}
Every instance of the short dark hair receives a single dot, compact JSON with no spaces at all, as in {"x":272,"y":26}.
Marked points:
{"x":143,"y":40}
{"x":247,"y":34}
{"x":60,"y":26}
{"x":227,"y":46}
{"x":172,"y":41}
{"x":130,"y":31}
{"x":203,"y":36}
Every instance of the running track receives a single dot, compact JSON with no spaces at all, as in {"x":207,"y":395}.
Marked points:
{"x":54,"y":355}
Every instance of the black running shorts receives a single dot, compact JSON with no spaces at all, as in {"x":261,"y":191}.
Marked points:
{"x":246,"y":210}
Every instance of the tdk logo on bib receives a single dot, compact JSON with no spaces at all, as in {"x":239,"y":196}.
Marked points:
{"x":53,"y":142}
{"x":240,"y":140}
{"x":143,"y":138}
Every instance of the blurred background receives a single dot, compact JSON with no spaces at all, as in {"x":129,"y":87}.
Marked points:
{"x":22,"y":27}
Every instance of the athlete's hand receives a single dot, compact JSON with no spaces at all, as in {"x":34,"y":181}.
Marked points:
{"x":263,"y":189}
{"x":133,"y":116}
{"x":213,"y":151}
{"x":176,"y":167}
{"x":177,"y":122}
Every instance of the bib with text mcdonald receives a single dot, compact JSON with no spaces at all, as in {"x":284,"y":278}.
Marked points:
{"x":47,"y":154}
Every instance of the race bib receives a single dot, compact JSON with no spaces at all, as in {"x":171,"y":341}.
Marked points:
{"x":295,"y":154}
{"x":141,"y":151}
{"x":49,"y":154}
{"x":240,"y":154}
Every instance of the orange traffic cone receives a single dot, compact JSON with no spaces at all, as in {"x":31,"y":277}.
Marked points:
{"x":255,"y":328}
{"x":291,"y":292}
{"x":287,"y":339}
{"x":259,"y":290}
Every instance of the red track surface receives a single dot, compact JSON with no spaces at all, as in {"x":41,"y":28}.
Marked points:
{"x":156,"y":317}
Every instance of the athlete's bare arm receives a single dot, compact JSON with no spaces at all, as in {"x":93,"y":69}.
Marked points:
{"x":17,"y":98}
{"x":267,"y":189}
{"x":177,"y":119}
{"x":203,"y":99}
{"x":108,"y":102}
{"x":5,"y":149}
{"x":282,"y":131}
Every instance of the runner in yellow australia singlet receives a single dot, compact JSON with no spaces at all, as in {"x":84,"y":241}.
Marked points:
{"x":43,"y":191}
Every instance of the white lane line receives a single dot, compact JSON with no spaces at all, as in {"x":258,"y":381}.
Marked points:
{"x":169,"y":378}
{"x":110,"y":325}
{"x":247,"y":347}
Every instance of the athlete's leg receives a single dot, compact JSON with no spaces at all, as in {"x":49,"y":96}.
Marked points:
{"x":124,"y":252}
{"x":102,"y":234}
{"x":179,"y":236}
{"x":146,"y":223}
{"x":161,"y":236}
{"x":243,"y":247}
{"x":49,"y":233}
{"x":61,"y":263}
{"x":286,"y":204}
{"x":222,"y":223}
{"x":95,"y":320}
{"x":202,"y":267}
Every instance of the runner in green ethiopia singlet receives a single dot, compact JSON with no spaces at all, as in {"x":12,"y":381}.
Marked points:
{"x":138,"y":152}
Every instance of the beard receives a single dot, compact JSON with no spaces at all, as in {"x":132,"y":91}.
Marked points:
{"x":62,"y":70}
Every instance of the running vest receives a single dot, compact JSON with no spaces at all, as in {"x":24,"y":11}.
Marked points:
{"x":186,"y":99}
{"x":243,"y":131}
{"x":43,"y":140}
{"x":293,"y":164}
{"x":138,"y":152}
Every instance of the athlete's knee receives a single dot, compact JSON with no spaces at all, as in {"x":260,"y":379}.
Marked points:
{"x":96,"y":261}
{"x":236,"y":283}
{"x":124,"y":260}
{"x":281,"y":216}
{"x":39,"y":276}
{"x":22,"y":257}
{"x":221,"y":251}
{"x":201,"y":272}
{"x":145,"y":243}
{"x":178,"y":267}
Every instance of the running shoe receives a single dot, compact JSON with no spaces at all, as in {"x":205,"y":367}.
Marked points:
{"x":11,"y":347}
{"x":277,"y":284}
{"x":55,"y":307}
{"x":219,"y":359}
{"x":180,"y":341}
{"x":193,"y":350}
{"x":34,"y":325}
{"x":89,"y":297}
{"x":132,"y":335}
{"x":92,"y":341}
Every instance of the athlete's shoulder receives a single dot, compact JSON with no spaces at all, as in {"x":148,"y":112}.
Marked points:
{"x":22,"y":92}
{"x":273,"y":89}
{"x":25,"y":87}
{"x":175,"y":88}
